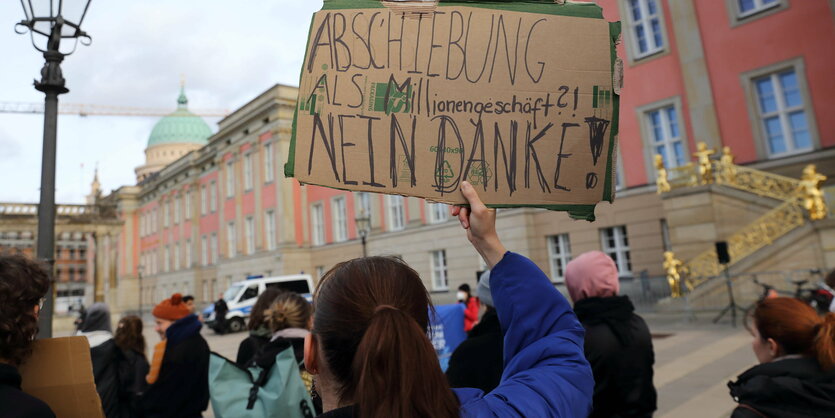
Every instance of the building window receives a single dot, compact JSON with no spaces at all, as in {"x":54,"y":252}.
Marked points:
{"x":188,"y":254}
{"x":438,"y":212}
{"x":317,"y":219}
{"x":187,"y":214}
{"x":231,"y":242}
{"x":177,"y":208}
{"x":616,"y":245}
{"x":270,"y":229}
{"x":363,"y":203}
{"x":230,"y":178}
{"x":269,"y":174}
{"x":166,"y":213}
{"x":203,"y":200}
{"x":340,"y":219}
{"x":750,"y":7}
{"x":166,"y":259}
{"x":213,"y":249}
{"x":213,"y":197}
{"x":620,"y":180}
{"x":665,"y":236}
{"x":204,"y":251}
{"x":320,"y":271}
{"x":559,"y":254}
{"x":646,"y":31}
{"x":396,"y":213}
{"x":177,"y":256}
{"x":782,"y":114}
{"x":248,"y":171}
{"x":250,"y":234}
{"x":439,"y":272}
{"x":666,"y":138}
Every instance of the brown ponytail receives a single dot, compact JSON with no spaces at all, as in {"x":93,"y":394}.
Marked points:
{"x":371,"y":319}
{"x":825,"y":342}
{"x":797,"y":328}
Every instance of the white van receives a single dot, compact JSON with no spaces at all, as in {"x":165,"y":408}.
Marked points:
{"x":241,"y":296}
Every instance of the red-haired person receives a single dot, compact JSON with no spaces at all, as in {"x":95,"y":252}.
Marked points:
{"x":796,"y":374}
{"x":23,"y":284}
{"x":179,"y":376}
{"x":372,"y":357}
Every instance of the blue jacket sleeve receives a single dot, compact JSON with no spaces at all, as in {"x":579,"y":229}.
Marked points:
{"x":545,"y":371}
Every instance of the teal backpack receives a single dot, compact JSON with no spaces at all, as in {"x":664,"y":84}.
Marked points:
{"x":274,"y":390}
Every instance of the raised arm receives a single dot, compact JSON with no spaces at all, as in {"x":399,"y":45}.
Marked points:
{"x":545,"y":370}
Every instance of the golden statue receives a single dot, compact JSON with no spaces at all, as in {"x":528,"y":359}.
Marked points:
{"x":703,"y":153}
{"x":674,"y":267}
{"x":811,"y":193}
{"x":661,"y":175}
{"x":726,"y":164}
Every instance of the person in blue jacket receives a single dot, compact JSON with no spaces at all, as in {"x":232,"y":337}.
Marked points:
{"x":372,"y":357}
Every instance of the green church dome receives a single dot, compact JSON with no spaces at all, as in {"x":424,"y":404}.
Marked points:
{"x":180,"y":127}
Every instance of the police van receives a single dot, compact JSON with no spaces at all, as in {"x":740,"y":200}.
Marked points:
{"x":241,"y":296}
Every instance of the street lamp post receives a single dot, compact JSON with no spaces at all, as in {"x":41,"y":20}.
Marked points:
{"x":363,"y":222}
{"x":44,"y":18}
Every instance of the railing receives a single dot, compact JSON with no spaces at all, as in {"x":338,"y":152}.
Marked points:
{"x":754,"y":181}
{"x":31,"y":209}
{"x":752,"y":237}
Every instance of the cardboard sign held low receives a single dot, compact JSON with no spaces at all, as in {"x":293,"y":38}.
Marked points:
{"x":60,"y":373}
{"x":515,"y":97}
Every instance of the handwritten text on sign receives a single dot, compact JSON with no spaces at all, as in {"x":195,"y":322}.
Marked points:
{"x":519,"y":104}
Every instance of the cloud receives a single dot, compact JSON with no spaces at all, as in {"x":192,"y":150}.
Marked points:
{"x":9,"y":149}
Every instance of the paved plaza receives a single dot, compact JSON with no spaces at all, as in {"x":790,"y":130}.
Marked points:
{"x":694,"y":359}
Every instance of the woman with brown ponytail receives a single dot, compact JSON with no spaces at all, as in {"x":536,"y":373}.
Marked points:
{"x":796,"y":374}
{"x":372,"y":357}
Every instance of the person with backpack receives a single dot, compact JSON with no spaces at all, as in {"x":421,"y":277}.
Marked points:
{"x":371,"y":355}
{"x":618,"y":344}
{"x":23,"y":284}
{"x":796,"y":375}
{"x":271,"y":383}
{"x":259,"y":331}
{"x":179,"y":375}
{"x":135,"y":368}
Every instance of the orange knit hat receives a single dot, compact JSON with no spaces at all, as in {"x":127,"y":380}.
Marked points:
{"x":172,"y":309}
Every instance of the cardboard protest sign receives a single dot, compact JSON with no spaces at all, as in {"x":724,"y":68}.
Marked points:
{"x":515,"y":97}
{"x":60,"y":373}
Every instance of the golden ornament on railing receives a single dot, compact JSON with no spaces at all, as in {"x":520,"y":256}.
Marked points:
{"x":811,"y":194}
{"x":674,"y":267}
{"x":703,"y":154}
{"x":727,"y":169}
{"x":661,"y":175}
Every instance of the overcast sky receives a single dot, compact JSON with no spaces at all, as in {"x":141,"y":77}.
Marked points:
{"x":229,"y":51}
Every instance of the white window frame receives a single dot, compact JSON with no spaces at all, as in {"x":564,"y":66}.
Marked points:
{"x":188,"y":254}
{"x":269,"y":228}
{"x":166,"y":214}
{"x":177,"y":208}
{"x":438,"y":266}
{"x":204,"y":251}
{"x":667,"y":140}
{"x":187,"y":205}
{"x":213,"y":196}
{"x":363,"y":203}
{"x":166,"y":259}
{"x":204,"y":206}
{"x":339,"y":216}
{"x":621,"y":249}
{"x":269,"y":166}
{"x":646,"y":22}
{"x":317,"y":224}
{"x":783,"y":112}
{"x":559,"y":254}
{"x":248,"y":183}
{"x":396,"y":212}
{"x":249,"y":233}
{"x":213,"y":249}
{"x":437,"y":212}
{"x":230,"y":178}
{"x":176,"y":256}
{"x":231,"y":240}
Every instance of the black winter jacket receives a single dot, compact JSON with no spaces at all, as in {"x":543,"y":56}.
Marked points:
{"x":107,"y":361}
{"x":787,"y":388}
{"x":477,"y":362}
{"x":249,"y":347}
{"x":618,"y":346}
{"x":182,"y":387}
{"x":14,"y":403}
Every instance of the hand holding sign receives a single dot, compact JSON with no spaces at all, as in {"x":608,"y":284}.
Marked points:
{"x":480,"y":223}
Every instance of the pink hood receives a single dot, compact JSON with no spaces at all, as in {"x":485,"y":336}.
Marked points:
{"x":592,"y":274}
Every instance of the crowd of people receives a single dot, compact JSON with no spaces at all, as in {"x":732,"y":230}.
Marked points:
{"x":362,"y":349}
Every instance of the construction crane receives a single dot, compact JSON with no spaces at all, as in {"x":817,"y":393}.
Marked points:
{"x":103,"y":110}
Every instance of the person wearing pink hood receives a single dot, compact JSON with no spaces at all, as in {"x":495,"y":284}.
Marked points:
{"x":618,"y":344}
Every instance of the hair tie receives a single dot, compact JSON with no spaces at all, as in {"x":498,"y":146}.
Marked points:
{"x":384,"y":307}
